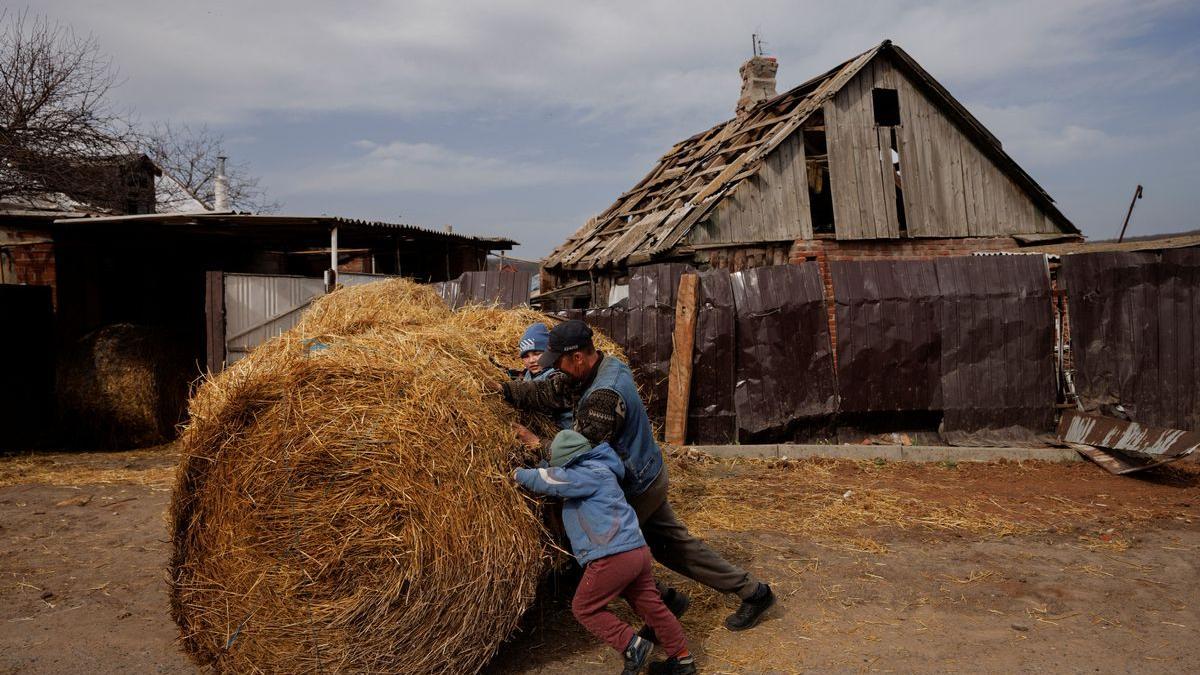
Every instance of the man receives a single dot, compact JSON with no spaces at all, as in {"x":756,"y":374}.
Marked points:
{"x":607,"y":408}
{"x":530,"y":348}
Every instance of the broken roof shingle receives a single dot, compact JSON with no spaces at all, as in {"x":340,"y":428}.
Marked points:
{"x":697,"y":173}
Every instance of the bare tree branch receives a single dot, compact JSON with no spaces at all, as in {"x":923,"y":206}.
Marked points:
{"x":56,"y":124}
{"x":189,"y":155}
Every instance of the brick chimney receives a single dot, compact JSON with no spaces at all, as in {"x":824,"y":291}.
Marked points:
{"x":758,"y":81}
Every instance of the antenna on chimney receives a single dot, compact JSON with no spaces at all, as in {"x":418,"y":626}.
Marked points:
{"x":757,"y":44}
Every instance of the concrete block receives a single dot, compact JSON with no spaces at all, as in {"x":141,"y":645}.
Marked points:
{"x":891,"y":453}
{"x":730,"y":451}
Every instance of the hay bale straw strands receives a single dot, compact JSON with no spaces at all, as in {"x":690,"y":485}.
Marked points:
{"x":343,"y":502}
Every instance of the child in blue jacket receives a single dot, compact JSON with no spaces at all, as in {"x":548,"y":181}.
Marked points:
{"x":608,"y":543}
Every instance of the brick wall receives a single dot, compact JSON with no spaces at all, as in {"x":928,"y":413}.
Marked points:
{"x":825,"y":250}
{"x":31,"y":264}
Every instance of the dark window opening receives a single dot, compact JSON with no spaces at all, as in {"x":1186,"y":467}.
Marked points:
{"x":887,"y":107}
{"x":820,"y":197}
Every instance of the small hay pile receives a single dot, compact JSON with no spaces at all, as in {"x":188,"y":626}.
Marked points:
{"x":122,"y":386}
{"x":344,"y":501}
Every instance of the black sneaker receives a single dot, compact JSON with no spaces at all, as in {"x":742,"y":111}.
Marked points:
{"x":674,"y":666}
{"x":752,"y":609}
{"x":635,"y":655}
{"x":675,"y":601}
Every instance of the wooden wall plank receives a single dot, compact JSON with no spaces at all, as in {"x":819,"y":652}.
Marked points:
{"x":839,"y":185}
{"x":789,"y":190}
{"x":799,"y":170}
{"x":912,"y":166}
{"x":864,"y":162}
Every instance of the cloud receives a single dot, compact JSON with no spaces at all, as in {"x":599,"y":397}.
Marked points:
{"x":405,"y":167}
{"x":1089,"y":95}
{"x":223,"y":60}
{"x":1049,"y":135}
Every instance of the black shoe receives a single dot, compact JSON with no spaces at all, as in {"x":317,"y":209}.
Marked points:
{"x":752,"y":609}
{"x":673,"y":666}
{"x":635,"y":655}
{"x":675,"y":601}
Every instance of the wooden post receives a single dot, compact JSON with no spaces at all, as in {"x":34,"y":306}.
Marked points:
{"x":679,"y":383}
{"x":214,"y":315}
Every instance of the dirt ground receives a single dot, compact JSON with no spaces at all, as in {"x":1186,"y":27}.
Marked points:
{"x":878,"y":567}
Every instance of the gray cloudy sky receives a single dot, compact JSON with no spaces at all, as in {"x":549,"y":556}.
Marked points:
{"x":524,"y":118}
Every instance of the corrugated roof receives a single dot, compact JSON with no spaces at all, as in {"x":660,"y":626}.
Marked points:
{"x":1145,"y":243}
{"x":700,"y":171}
{"x":217,"y":219}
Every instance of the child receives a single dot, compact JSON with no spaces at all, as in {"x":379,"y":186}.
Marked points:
{"x":535,"y":341}
{"x":608,"y":543}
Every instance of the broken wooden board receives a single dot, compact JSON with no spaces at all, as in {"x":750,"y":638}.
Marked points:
{"x":679,"y":384}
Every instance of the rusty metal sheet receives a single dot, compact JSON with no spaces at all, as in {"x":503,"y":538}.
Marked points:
{"x":970,"y":336}
{"x":1134,"y":333}
{"x":997,"y":359}
{"x":712,"y":417}
{"x":784,"y":357}
{"x":1137,"y":447}
{"x":888,"y":345}
{"x":611,"y":321}
{"x":649,"y":328}
{"x":1116,"y":462}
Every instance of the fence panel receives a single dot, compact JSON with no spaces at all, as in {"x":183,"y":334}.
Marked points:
{"x":651,"y":322}
{"x":784,"y":358}
{"x":996,"y":322}
{"x":259,"y":306}
{"x":505,"y":288}
{"x":888,"y":344}
{"x":712,"y":416}
{"x":1133,"y":333}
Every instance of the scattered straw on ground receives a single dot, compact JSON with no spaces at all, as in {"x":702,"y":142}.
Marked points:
{"x":836,"y":503}
{"x":151,"y":468}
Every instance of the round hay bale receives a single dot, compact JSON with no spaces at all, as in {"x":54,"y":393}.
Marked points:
{"x":344,"y":500}
{"x":122,"y":386}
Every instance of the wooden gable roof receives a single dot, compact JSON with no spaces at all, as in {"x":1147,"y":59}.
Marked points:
{"x":697,"y":173}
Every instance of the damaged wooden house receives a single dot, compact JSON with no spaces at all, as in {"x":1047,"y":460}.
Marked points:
{"x":873,"y":158}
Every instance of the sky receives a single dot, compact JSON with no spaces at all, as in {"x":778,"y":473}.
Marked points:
{"x":524,"y":118}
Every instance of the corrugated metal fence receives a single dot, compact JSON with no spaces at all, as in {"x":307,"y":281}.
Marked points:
{"x":970,"y":337}
{"x":1135,"y":335}
{"x":260,"y":306}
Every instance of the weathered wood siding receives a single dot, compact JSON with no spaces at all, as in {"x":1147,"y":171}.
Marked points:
{"x":772,"y":206}
{"x":862,"y":180}
{"x":951,"y":187}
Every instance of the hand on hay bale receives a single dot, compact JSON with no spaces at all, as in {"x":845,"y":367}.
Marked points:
{"x":354,"y":512}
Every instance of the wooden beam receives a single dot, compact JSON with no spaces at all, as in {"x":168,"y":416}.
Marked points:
{"x":214,"y":316}
{"x":679,"y":383}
